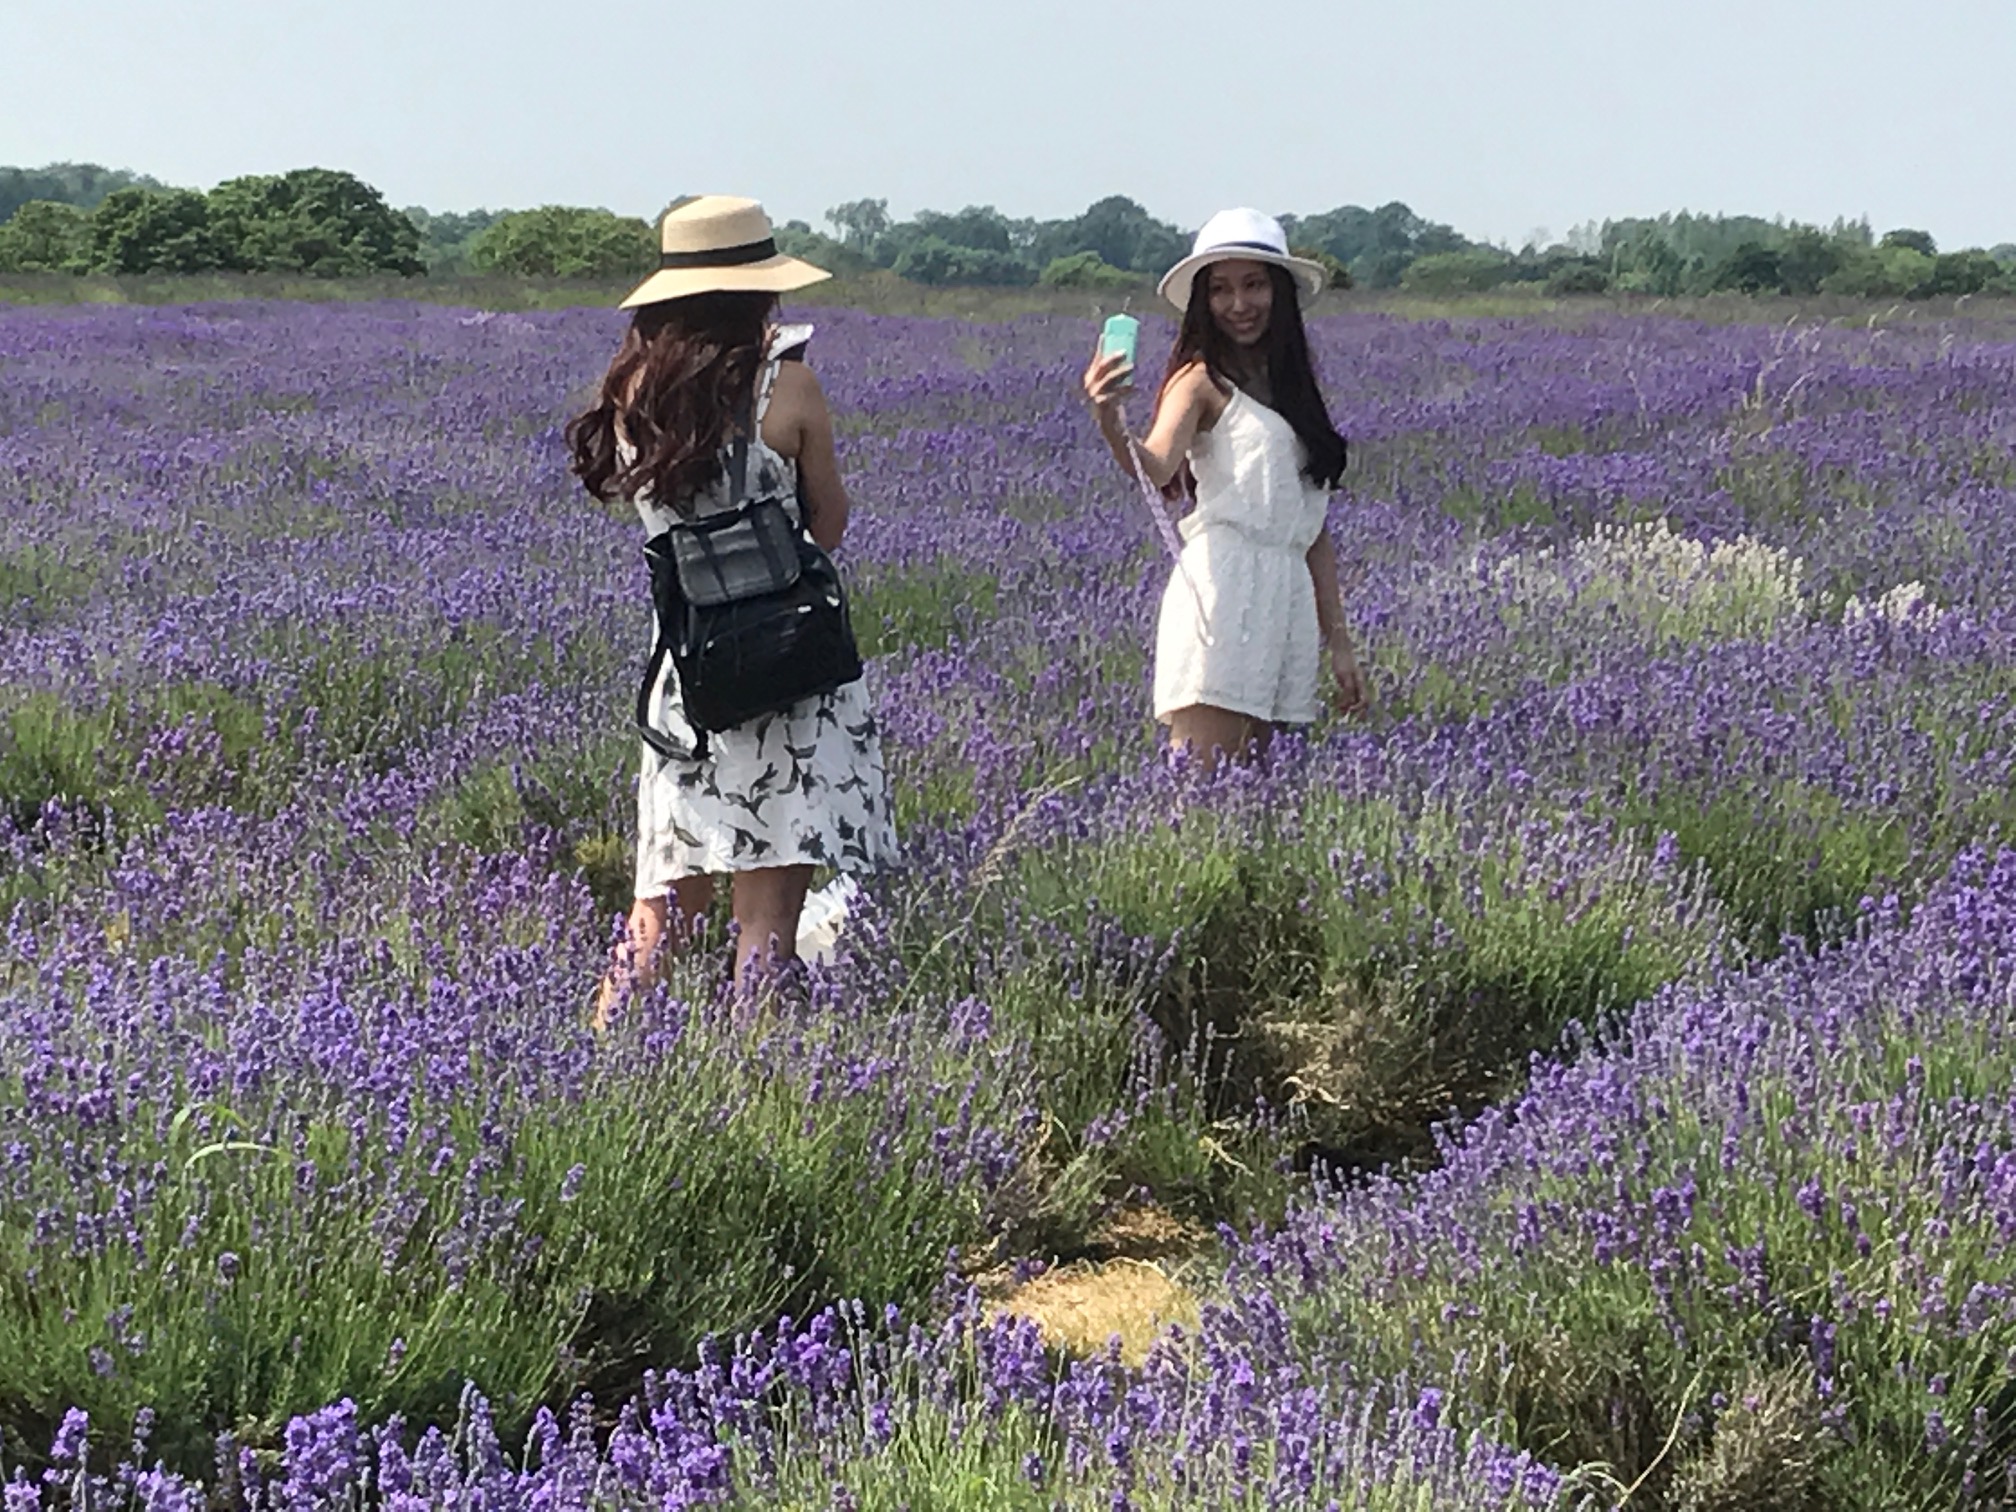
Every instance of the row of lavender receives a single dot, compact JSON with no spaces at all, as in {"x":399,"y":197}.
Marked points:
{"x":314,"y":672}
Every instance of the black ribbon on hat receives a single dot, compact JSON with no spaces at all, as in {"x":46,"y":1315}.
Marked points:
{"x":720,"y":257}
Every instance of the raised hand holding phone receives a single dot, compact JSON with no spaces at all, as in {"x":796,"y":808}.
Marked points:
{"x":1110,"y":376}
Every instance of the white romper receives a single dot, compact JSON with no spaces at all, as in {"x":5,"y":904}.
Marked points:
{"x":1245,"y":638}
{"x":800,"y":787}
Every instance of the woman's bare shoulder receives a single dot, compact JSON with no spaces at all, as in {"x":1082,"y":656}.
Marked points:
{"x":1192,"y":384}
{"x":796,"y":403}
{"x":796,"y":384}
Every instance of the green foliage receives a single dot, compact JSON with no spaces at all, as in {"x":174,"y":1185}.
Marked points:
{"x":1916,"y":241}
{"x":1374,"y":967}
{"x":860,"y":223}
{"x":1085,"y":270}
{"x":1616,"y":1363}
{"x":1377,"y":245}
{"x":932,"y":260}
{"x":1809,"y":258}
{"x":1119,"y":230}
{"x":446,"y":238}
{"x":84,"y":185}
{"x":1956,"y":273}
{"x":1752,"y":268}
{"x":1335,"y":269}
{"x":1470,"y":272}
{"x":317,"y":221}
{"x":46,"y":236}
{"x":149,"y":231}
{"x":684,"y":1194}
{"x":323,"y":223}
{"x":1881,"y":273}
{"x":565,"y":241}
{"x":1571,"y":278}
{"x":1696,"y":254}
{"x":1650,"y":264}
{"x":979,"y":227}
{"x":796,"y":239}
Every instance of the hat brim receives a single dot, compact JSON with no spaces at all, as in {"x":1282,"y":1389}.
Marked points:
{"x":1309,"y":276}
{"x":773,"y":275}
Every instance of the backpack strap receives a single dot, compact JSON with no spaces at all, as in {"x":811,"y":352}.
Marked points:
{"x":738,"y":454}
{"x":664,"y":744}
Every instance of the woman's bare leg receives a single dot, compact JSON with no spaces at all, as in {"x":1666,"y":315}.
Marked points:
{"x":637,"y":959}
{"x":768,"y":902}
{"x":1211,"y":735}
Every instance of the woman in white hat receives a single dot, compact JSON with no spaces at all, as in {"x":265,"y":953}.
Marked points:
{"x":1254,"y":615}
{"x":771,"y":799}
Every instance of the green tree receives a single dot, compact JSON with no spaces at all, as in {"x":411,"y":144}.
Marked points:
{"x":1334,"y":268}
{"x":84,"y":185}
{"x":796,"y":239}
{"x":1913,"y":241}
{"x":1457,"y":272}
{"x":860,"y":223}
{"x":318,"y":221}
{"x":1647,"y":263}
{"x":447,"y":237}
{"x":1119,"y":230}
{"x":932,"y":260}
{"x":1346,"y":233}
{"x":1086,"y":270}
{"x":1808,"y":258}
{"x":46,"y":236}
{"x":1752,"y":268}
{"x":154,"y":231}
{"x":565,"y":241}
{"x":1571,"y":278}
{"x":1957,"y":273}
{"x":1377,"y":245}
{"x":981,"y":227}
{"x":1891,"y":272}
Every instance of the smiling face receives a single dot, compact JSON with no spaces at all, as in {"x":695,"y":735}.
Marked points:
{"x":1242,"y":300}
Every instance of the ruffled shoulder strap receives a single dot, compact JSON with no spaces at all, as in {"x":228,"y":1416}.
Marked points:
{"x":786,"y":344}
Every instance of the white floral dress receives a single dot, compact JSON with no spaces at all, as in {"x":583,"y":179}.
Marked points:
{"x":804,"y":786}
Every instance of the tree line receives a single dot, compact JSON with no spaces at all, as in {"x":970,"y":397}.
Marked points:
{"x":83,"y":218}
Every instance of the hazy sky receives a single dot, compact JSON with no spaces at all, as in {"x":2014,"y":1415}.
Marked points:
{"x":1497,"y":118}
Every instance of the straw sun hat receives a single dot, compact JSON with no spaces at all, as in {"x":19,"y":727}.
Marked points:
{"x":711,"y":243}
{"x":1246,"y":235}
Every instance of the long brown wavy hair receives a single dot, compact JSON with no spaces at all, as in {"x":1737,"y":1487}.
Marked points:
{"x":1291,"y":373}
{"x":673,"y":390}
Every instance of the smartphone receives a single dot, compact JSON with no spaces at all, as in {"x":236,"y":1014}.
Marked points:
{"x":1119,"y":335}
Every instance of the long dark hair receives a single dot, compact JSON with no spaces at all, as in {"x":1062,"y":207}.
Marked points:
{"x":1291,"y":372}
{"x":674,"y":387}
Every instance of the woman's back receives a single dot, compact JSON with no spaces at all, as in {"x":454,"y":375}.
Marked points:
{"x":772,"y":463}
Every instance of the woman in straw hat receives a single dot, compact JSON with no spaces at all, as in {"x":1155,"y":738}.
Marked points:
{"x":786,"y":792}
{"x":1253,"y":614}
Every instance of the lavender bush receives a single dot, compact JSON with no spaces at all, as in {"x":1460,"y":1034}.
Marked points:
{"x":313,"y":803}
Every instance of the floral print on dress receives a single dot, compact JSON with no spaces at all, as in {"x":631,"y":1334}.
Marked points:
{"x":803,"y":786}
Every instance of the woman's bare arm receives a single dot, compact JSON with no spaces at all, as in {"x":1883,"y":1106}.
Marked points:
{"x":1330,"y":624}
{"x":1322,"y":558}
{"x":1189,"y":403}
{"x":819,"y":484}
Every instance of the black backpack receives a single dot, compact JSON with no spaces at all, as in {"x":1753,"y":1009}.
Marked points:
{"x":750,"y":611}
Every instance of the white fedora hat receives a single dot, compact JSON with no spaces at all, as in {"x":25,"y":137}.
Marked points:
{"x":710,"y":243}
{"x":1243,"y":234}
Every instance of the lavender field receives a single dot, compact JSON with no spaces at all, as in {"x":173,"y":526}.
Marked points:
{"x":1599,"y":1064}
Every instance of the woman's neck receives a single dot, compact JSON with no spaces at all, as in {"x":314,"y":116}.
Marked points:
{"x":1248,"y":369}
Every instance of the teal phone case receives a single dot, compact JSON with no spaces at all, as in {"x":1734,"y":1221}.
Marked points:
{"x":1119,"y":334}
